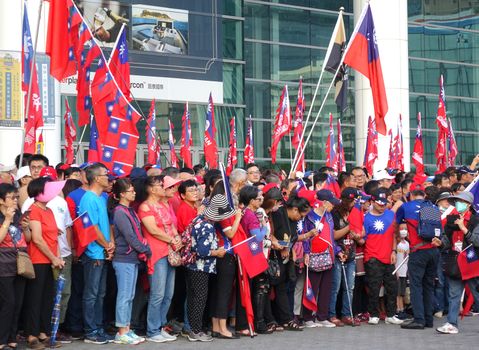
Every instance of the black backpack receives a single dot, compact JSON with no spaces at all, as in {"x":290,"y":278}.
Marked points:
{"x":429,"y":223}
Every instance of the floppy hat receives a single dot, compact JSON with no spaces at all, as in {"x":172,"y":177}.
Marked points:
{"x":219,"y":208}
{"x":51,"y":190}
{"x":464,"y":196}
{"x":22,"y":172}
{"x":327,"y":195}
{"x":381,"y":175}
{"x":168,"y":182}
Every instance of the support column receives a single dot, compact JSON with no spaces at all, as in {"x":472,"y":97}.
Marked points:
{"x":390,"y":20}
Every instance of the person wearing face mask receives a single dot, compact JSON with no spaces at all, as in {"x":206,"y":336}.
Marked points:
{"x":402,"y":249}
{"x":460,"y":232}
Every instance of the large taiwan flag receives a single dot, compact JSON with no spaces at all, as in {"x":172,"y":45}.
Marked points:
{"x":362,"y":55}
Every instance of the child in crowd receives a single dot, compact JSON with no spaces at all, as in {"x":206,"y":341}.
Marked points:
{"x":402,"y":253}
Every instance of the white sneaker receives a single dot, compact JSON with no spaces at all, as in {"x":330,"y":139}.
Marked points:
{"x":447,"y":328}
{"x":167,"y":336}
{"x":438,"y":314}
{"x":325,"y":324}
{"x":157,"y":339}
{"x":311,"y":324}
{"x":373,"y":320}
{"x":393,"y":320}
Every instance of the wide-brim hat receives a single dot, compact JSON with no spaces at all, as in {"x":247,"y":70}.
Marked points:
{"x":219,"y":208}
{"x":464,"y":196}
{"x":168,"y":182}
{"x":382,"y":175}
{"x":51,"y":190}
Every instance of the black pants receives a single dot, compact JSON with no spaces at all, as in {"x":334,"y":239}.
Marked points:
{"x":74,"y":316}
{"x":281,"y":305}
{"x":197,"y":284}
{"x":360,"y":295}
{"x":39,"y":300}
{"x":223,"y":288}
{"x":379,"y":273}
{"x":177,"y":307}
{"x":11,"y":299}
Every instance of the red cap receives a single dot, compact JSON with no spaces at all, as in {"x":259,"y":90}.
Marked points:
{"x":310,"y":196}
{"x":50,"y":172}
{"x":64,"y":167}
{"x":269,"y":186}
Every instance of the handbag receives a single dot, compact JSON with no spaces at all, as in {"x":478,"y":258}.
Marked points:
{"x":274,"y":271}
{"x":24,"y":263}
{"x":320,"y":261}
{"x":174,"y":257}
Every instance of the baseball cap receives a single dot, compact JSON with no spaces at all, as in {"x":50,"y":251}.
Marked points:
{"x":22,"y":172}
{"x":364,"y":197}
{"x":85,"y":165}
{"x":327,"y":195}
{"x":50,"y":172}
{"x":380,"y":196}
{"x":350,"y":193}
{"x":381,"y":175}
{"x":310,"y":196}
{"x":466,"y":170}
{"x":138,"y":173}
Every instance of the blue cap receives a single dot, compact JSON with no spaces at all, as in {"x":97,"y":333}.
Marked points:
{"x":138,"y":173}
{"x":327,"y":195}
{"x":85,"y":165}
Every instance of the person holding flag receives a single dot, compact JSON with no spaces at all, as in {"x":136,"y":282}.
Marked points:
{"x":323,"y":243}
{"x":460,"y":243}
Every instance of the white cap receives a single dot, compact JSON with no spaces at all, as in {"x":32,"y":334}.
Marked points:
{"x":381,"y":175}
{"x":6,"y":168}
{"x":22,"y":172}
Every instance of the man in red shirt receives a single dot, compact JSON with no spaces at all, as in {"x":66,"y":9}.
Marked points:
{"x":380,"y":257}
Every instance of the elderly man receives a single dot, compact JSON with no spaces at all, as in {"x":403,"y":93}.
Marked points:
{"x":6,"y":174}
{"x":238,"y":178}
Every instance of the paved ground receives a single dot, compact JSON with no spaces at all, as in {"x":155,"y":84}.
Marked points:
{"x":382,"y":337}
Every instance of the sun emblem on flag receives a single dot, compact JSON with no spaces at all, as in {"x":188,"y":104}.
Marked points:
{"x":86,"y":220}
{"x":309,"y":292}
{"x":470,"y":254}
{"x":378,"y":225}
{"x":254,"y":246}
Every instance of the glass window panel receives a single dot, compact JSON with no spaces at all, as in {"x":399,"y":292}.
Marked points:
{"x":232,"y":39}
{"x":232,"y":7}
{"x":233,"y":83}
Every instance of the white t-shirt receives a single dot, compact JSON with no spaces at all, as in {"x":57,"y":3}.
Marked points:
{"x":402,"y":251}
{"x":59,"y":207}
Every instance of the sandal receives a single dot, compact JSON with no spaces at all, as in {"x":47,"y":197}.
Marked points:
{"x":278,"y":328}
{"x":292,"y":326}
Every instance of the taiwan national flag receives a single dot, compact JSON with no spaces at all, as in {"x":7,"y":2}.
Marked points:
{"x":468,"y":262}
{"x":70,"y":134}
{"x":371,"y":152}
{"x":118,"y":64}
{"x":171,"y":145}
{"x":85,"y":233}
{"x":331,"y":154}
{"x":309,"y":299}
{"x":298,"y":140}
{"x":210,"y":148}
{"x":94,"y":148}
{"x":151,"y":140}
{"x":418,"y":151}
{"x":251,"y":254}
{"x":186,"y":138}
{"x":363,"y":55}
{"x":341,"y":161}
{"x":249,"y":144}
{"x":232,"y":154}
{"x":282,"y":124}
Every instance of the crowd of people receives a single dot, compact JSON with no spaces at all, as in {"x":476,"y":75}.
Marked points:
{"x":155,"y":255}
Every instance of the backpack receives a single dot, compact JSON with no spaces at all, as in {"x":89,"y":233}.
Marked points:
{"x":188,"y":256}
{"x":429,"y":224}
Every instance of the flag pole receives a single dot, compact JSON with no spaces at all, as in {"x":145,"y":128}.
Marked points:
{"x":30,"y":83}
{"x":293,"y":165}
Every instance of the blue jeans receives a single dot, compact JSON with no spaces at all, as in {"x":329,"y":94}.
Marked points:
{"x":441,"y":289}
{"x":455,"y":292}
{"x":94,"y":289}
{"x":126,"y":275}
{"x":162,"y":285}
{"x":422,"y":269}
{"x":338,"y":279}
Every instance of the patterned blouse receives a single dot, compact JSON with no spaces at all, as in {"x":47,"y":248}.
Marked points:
{"x":203,"y":240}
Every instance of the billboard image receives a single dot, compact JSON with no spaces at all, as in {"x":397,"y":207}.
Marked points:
{"x":159,"y":29}
{"x":104,"y":18}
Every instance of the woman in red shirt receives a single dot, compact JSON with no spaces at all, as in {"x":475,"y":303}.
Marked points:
{"x":45,"y":255}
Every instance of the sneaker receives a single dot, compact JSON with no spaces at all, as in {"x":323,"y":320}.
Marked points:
{"x":438,"y":314}
{"x":157,"y":339}
{"x":192,"y":336}
{"x":63,"y":338}
{"x":125,"y":339}
{"x":108,"y":337}
{"x":133,"y":335}
{"x":95,"y":338}
{"x":373,"y":320}
{"x":167,"y":336}
{"x":325,"y":324}
{"x":447,"y":328}
{"x":76,"y":335}
{"x":393,"y":320}
{"x":402,"y":315}
{"x":311,"y":324}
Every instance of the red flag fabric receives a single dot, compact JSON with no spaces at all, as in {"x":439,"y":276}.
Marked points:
{"x":332,"y":185}
{"x":341,"y":161}
{"x":331,"y":154}
{"x":371,"y":152}
{"x":252,"y":256}
{"x":118,"y":64}
{"x":249,"y":144}
{"x":468,"y":263}
{"x":58,"y":46}
{"x":469,"y":301}
{"x":150,"y":128}
{"x":441,"y":120}
{"x":186,"y":139}
{"x":282,"y":124}
{"x":363,"y":55}
{"x":392,"y":161}
{"x":70,"y":134}
{"x":418,"y":151}
{"x":34,"y":119}
{"x":94,"y":148}
{"x":102,"y":86}
{"x":232,"y":153}
{"x":245,"y":293}
{"x":399,"y":146}
{"x":309,"y":299}
{"x":85,"y":233}
{"x":356,"y":218}
{"x":171,"y":144}
{"x":210,"y":149}
{"x":298,"y":126}
{"x":453,"y":151}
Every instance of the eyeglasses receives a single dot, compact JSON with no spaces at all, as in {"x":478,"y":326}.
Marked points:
{"x":259,"y":198}
{"x":192,"y":189}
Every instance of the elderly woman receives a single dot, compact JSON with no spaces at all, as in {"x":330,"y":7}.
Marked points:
{"x":157,"y":220}
{"x":204,"y":243}
{"x":45,"y":254}
{"x":12,"y":286}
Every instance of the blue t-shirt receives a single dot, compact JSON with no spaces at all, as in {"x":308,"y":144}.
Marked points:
{"x":96,"y":207}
